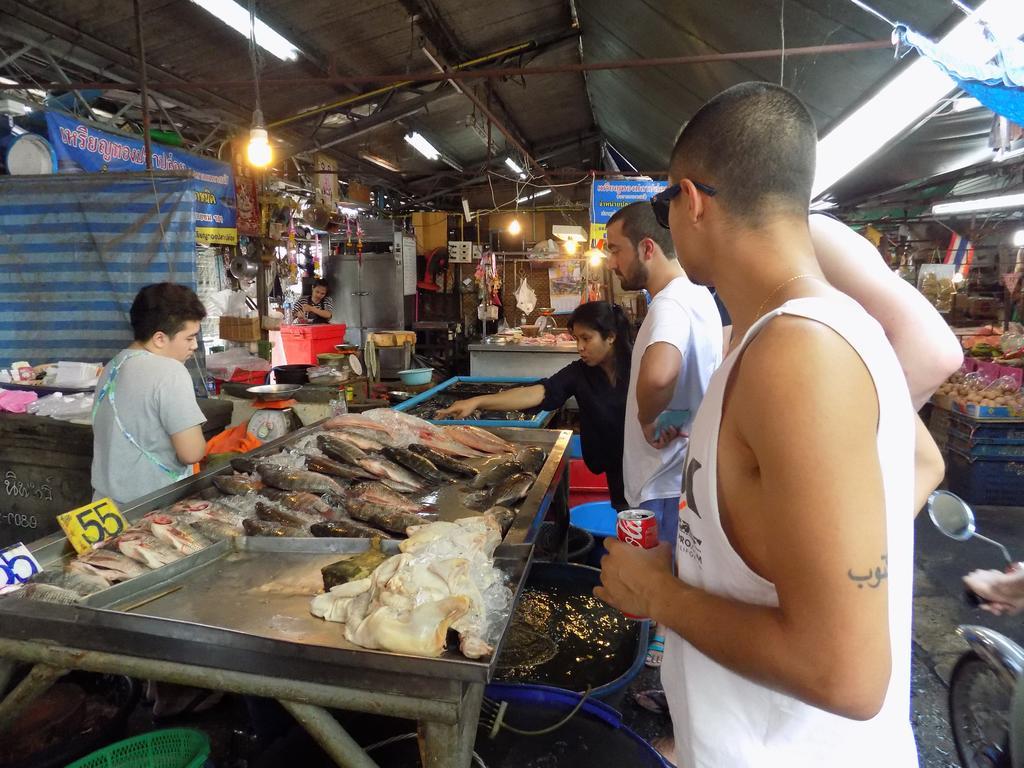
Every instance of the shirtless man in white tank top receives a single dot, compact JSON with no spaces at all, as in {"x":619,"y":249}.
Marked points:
{"x":790,"y":614}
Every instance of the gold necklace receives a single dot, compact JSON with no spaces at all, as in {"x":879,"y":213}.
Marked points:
{"x":778,"y":288}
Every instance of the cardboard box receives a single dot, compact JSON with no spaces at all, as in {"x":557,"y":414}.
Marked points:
{"x":242,"y":329}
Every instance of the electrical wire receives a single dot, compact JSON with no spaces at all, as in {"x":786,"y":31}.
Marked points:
{"x":865,"y":7}
{"x":782,"y":34}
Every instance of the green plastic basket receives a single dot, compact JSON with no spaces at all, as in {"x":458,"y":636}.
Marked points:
{"x":169,"y":748}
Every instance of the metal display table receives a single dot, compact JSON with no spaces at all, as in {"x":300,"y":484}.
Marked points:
{"x":235,"y":617}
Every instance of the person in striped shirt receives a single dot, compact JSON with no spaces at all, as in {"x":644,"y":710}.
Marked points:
{"x":317,"y":307}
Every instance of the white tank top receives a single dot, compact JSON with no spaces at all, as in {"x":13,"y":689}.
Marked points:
{"x":722,"y":719}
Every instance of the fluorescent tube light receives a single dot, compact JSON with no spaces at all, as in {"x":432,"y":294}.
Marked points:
{"x":981,"y":204}
{"x":534,"y":196}
{"x":911,"y":94}
{"x":380,"y":161}
{"x":422,"y":146}
{"x":237,"y":17}
{"x":515,"y":167}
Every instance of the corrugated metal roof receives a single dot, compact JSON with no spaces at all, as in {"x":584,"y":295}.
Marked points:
{"x":639,"y":111}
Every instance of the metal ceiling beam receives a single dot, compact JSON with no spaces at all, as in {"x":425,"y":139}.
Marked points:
{"x":444,"y":41}
{"x":16,"y":55}
{"x":65,"y":79}
{"x":46,"y":23}
{"x":501,"y":73}
{"x":386,"y":116}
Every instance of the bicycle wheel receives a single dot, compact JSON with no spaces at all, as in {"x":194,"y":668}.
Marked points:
{"x":979,"y":708}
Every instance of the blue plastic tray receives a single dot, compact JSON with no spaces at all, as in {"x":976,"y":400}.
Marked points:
{"x":539,"y":421}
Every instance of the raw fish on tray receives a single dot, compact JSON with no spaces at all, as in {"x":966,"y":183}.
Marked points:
{"x":479,"y":439}
{"x":345,"y":529}
{"x":236,"y":484}
{"x":147,"y":549}
{"x":495,"y":471}
{"x":111,"y":566}
{"x":417,"y":463}
{"x":384,"y":517}
{"x":177,"y":533}
{"x":298,"y":480}
{"x":447,"y":463}
{"x":256,"y":527}
{"x":328,"y":466}
{"x":378,"y":493}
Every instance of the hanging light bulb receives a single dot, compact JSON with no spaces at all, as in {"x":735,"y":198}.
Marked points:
{"x":515,"y":227}
{"x":571,"y":246}
{"x":595,"y":257}
{"x":259,"y":151}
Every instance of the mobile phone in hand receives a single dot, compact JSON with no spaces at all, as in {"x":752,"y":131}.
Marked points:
{"x":671,"y":419}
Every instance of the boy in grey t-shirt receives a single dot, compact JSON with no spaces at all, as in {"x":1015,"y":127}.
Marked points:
{"x":146,"y":423}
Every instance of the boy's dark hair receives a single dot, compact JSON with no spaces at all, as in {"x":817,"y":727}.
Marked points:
{"x":164,"y":307}
{"x":756,"y":144}
{"x":638,"y":222}
{"x":320,"y":283}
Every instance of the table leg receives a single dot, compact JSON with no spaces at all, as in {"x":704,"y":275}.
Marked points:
{"x":329,"y":734}
{"x":451,"y":746}
{"x":36,"y":683}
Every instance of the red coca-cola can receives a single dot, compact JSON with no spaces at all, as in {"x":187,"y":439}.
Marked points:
{"x":638,"y":528}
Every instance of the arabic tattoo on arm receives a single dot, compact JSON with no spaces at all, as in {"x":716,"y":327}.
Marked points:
{"x":874,"y":577}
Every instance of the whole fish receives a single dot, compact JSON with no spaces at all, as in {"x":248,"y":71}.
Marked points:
{"x":480,"y":439}
{"x":513,"y":489}
{"x":448,"y":446}
{"x":286,"y":517}
{"x":386,"y":518}
{"x":447,"y":463}
{"x":243,"y":464}
{"x":81,"y":581}
{"x":147,"y":549}
{"x":178,"y":534}
{"x":496,"y":470}
{"x":345,"y":529}
{"x":300,"y":501}
{"x":421,"y":465}
{"x":381,"y":467}
{"x":532,"y":458}
{"x":185,"y":507}
{"x":328,"y":466}
{"x":479,"y":500}
{"x":255,"y":527}
{"x":340,"y":450}
{"x":236,"y":484}
{"x":354,"y":420}
{"x":109,"y":565}
{"x":48,"y":593}
{"x":216,"y":529}
{"x":504,"y":517}
{"x":360,"y":439}
{"x":298,"y":480}
{"x":394,"y":485}
{"x":378,"y":493}
{"x":385,"y":438}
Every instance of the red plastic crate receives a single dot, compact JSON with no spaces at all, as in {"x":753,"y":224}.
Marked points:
{"x":582,"y":479}
{"x":302,"y":343}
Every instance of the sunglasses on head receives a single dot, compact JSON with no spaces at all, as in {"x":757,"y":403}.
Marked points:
{"x":661,"y":201}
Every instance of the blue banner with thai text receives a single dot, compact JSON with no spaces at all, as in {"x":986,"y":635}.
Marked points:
{"x":608,"y":195}
{"x":84,"y":148}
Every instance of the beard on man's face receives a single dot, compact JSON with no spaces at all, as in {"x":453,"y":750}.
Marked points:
{"x":636,"y":278}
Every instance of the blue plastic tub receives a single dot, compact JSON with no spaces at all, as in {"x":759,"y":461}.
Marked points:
{"x":594,"y":737}
{"x":596,"y":517}
{"x":575,"y":448}
{"x":539,"y":420}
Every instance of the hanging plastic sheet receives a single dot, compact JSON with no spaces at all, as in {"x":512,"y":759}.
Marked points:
{"x":998,"y":84}
{"x":76,"y":249}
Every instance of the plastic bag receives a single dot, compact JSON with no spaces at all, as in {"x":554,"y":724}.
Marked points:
{"x":526,"y":298}
{"x":223,"y":365}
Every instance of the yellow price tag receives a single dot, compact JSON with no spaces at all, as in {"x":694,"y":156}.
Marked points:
{"x":87,"y":526}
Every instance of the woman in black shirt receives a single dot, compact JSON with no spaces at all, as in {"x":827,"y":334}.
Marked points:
{"x":599,"y":381}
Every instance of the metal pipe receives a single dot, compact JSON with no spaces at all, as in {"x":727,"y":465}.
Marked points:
{"x":36,"y":683}
{"x":318,"y":694}
{"x":329,"y":734}
{"x":141,"y":45}
{"x":16,"y":55}
{"x":500,"y":73}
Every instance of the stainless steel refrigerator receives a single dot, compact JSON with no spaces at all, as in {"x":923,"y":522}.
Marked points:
{"x":367,"y":292}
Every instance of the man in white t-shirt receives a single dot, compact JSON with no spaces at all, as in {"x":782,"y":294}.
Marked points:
{"x":678,"y":347}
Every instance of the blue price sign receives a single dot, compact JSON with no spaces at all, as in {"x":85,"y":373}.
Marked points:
{"x":17,"y":566}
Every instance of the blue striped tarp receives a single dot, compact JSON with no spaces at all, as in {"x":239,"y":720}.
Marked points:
{"x":74,"y":251}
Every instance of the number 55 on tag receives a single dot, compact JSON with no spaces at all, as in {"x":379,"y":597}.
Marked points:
{"x":87,"y":526}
